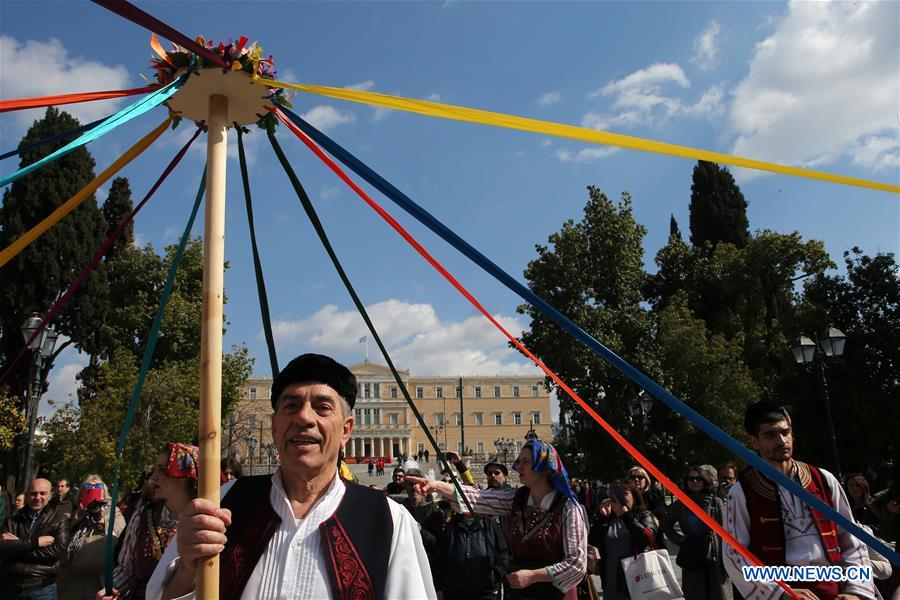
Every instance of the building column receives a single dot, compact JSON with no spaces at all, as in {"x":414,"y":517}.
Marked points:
{"x":380,"y":446}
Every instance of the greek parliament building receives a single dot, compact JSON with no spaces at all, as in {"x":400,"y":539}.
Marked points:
{"x":494,"y":414}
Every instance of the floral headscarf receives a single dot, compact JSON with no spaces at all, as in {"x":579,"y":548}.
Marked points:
{"x":183,"y":460}
{"x":544,"y":457}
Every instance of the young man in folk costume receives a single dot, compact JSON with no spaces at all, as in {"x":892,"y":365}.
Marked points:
{"x":778,"y":527}
{"x":302,"y":533}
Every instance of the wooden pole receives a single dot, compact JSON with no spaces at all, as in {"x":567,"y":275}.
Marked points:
{"x":211,"y":326}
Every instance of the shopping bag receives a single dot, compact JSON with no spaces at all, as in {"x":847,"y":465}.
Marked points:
{"x":650,"y":576}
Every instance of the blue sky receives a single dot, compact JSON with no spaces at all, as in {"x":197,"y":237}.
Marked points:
{"x":812,"y":84}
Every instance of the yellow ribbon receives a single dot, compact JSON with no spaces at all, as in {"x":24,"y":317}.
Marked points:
{"x":473,"y":115}
{"x":38,"y":230}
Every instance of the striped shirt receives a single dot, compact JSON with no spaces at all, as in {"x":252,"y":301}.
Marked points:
{"x":568,"y":572}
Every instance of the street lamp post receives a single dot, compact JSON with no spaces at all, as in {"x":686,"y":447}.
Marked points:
{"x":641,"y":405}
{"x":251,"y":448}
{"x":42,"y":348}
{"x":831,"y":343}
{"x":503,"y":446}
{"x":270,"y":449}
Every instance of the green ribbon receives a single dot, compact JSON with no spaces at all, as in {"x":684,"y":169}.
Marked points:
{"x":142,"y":376}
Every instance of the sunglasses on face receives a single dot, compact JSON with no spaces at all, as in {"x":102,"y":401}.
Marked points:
{"x":694,"y":478}
{"x":495,"y":473}
{"x":637,"y":478}
{"x":93,"y":486}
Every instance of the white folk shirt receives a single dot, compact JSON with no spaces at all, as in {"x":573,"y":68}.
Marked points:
{"x":293,"y":566}
{"x":802,"y":542}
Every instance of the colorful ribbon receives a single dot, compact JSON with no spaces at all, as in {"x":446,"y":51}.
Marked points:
{"x":69,"y":205}
{"x":149,"y":349}
{"x":134,"y":14}
{"x":123,"y":116}
{"x":646,"y":383}
{"x":473,"y":115}
{"x":98,"y":256}
{"x":23,"y":103}
{"x":640,"y":458}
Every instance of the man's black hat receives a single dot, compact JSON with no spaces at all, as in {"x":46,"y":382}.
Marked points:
{"x":500,"y":466}
{"x":316,"y":368}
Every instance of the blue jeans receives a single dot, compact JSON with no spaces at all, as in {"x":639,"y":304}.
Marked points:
{"x":44,"y":593}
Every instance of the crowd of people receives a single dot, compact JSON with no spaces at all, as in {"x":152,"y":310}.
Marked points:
{"x":308,"y":531}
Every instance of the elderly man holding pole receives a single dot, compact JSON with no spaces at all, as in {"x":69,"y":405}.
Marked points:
{"x":301,"y":532}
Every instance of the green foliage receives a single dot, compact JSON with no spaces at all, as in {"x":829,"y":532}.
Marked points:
{"x":116,"y":208}
{"x":718,"y":209}
{"x":12,"y":419}
{"x":36,"y":277}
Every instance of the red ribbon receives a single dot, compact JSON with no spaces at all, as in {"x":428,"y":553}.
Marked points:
{"x":23,"y":103}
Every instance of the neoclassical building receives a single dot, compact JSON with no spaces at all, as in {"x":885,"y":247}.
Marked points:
{"x":492,"y":417}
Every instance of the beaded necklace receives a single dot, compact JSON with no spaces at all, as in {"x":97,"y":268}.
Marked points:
{"x":166,"y":529}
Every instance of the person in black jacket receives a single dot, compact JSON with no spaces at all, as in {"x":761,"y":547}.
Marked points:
{"x":430,"y":519}
{"x":623,"y":527}
{"x":33,"y":542}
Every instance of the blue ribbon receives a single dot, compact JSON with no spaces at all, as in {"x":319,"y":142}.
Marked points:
{"x":653,"y":388}
{"x":123,"y":116}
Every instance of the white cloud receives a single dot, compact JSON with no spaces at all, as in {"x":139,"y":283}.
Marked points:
{"x":60,"y":73}
{"x":586,"y":155}
{"x":822,"y":86}
{"x":381,"y":113}
{"x":363,"y":86}
{"x":329,"y":191}
{"x":548,"y":98}
{"x":705,"y":48}
{"x":880,"y":153}
{"x":640,"y":97}
{"x":710,"y":103}
{"x":327,"y":117}
{"x":434,"y":97}
{"x":546,"y":142}
{"x":414,"y":335}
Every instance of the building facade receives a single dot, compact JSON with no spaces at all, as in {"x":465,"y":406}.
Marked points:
{"x":491,"y":416}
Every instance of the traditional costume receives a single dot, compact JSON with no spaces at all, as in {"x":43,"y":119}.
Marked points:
{"x":354,"y":543}
{"x":551,"y":535}
{"x":781,"y":530}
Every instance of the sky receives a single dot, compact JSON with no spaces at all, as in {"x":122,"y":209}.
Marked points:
{"x":814,"y":84}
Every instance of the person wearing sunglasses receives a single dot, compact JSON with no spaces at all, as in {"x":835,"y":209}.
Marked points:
{"x":700,"y":551}
{"x":81,"y":573}
{"x":653,"y":499}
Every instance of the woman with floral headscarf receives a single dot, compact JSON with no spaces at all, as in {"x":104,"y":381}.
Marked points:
{"x":547,"y":528}
{"x":172,"y":486}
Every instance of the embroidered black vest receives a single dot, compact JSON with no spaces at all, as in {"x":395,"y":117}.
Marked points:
{"x":355,"y":540}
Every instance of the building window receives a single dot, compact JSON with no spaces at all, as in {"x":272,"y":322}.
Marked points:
{"x":496,"y":391}
{"x":439,"y":392}
{"x":378,"y":390}
{"x":394,"y":418}
{"x":515,"y":391}
{"x":358,"y":412}
{"x":367,"y":416}
{"x":393,"y":391}
{"x":479,"y":418}
{"x":252,"y":393}
{"x":367,"y":391}
{"x":439,"y":419}
{"x":536,"y":417}
{"x":479,"y":447}
{"x":478,"y":391}
{"x":534,"y":391}
{"x":459,"y":391}
{"x":498,"y":418}
{"x":252,"y":422}
{"x":459,"y":419}
{"x":420,"y":392}
{"x":376,"y":416}
{"x":421,"y":446}
{"x":517,"y":418}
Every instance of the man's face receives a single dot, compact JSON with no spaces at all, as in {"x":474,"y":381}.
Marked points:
{"x":495,"y":477}
{"x":62,"y":487}
{"x":398,"y":477}
{"x":309,"y":427}
{"x":726,"y":478}
{"x":38,"y":494}
{"x":774,"y":441}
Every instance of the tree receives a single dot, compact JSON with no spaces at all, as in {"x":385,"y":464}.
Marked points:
{"x":117,"y":207}
{"x":718,"y":211}
{"x":864,"y":383}
{"x":592,"y":272}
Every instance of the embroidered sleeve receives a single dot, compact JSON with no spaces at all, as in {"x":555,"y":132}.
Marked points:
{"x":853,"y":551}
{"x":567,"y":573}
{"x":485,"y":502}
{"x":737,"y":523}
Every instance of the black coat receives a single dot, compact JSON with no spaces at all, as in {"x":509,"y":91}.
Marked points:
{"x":473,"y":556}
{"x":24,"y":565}
{"x":641,"y":527}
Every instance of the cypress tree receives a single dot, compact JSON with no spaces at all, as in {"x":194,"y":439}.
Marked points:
{"x":674,"y":230}
{"x":718,"y":209}
{"x":118,"y":205}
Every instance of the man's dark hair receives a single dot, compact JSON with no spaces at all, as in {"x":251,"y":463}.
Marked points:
{"x":761,"y":413}
{"x":316,"y":368}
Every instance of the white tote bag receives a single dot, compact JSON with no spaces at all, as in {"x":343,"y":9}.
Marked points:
{"x":650,"y":576}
